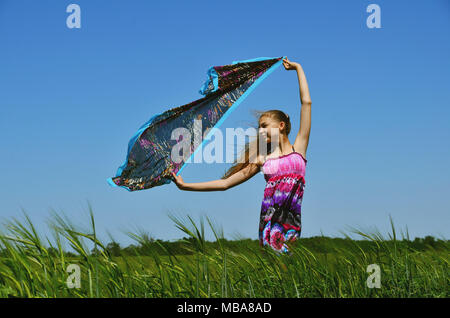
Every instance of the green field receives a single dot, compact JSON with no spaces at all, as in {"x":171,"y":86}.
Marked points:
{"x":33,"y":266}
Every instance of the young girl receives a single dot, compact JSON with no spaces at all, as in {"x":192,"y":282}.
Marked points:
{"x":283,"y":169}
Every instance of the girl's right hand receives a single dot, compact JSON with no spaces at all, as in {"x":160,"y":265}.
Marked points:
{"x":178,"y":181}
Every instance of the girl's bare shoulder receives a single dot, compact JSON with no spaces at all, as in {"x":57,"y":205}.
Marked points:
{"x":260,"y":160}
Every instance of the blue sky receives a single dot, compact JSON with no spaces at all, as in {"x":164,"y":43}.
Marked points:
{"x":72,"y":98}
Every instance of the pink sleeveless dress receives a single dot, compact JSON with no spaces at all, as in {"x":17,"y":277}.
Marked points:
{"x":280,"y":219}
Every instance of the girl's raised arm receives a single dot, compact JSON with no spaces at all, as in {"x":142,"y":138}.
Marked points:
{"x":302,"y":139}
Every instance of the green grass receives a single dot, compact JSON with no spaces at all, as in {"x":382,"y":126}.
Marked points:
{"x":31,"y":266}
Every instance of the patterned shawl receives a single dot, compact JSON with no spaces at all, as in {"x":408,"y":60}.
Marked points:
{"x":148,"y":162}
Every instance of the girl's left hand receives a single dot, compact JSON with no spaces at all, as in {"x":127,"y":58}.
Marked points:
{"x":288,"y":65}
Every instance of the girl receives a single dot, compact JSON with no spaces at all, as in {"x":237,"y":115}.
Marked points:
{"x":283,"y":169}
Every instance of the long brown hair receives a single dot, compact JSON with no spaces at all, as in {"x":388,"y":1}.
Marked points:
{"x":251,"y":148}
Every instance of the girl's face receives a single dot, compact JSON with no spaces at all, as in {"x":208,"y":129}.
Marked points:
{"x":268,"y":128}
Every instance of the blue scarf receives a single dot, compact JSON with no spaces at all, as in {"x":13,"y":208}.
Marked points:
{"x":148,"y":162}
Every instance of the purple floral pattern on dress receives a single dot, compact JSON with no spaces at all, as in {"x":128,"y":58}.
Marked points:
{"x":280,"y":220}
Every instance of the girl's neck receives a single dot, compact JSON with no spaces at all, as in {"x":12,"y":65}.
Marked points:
{"x":284,"y":147}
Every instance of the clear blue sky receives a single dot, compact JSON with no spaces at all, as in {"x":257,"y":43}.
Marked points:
{"x":72,"y":98}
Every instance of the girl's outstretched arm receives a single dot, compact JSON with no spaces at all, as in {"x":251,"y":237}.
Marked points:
{"x":220,"y":184}
{"x":302,"y":139}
